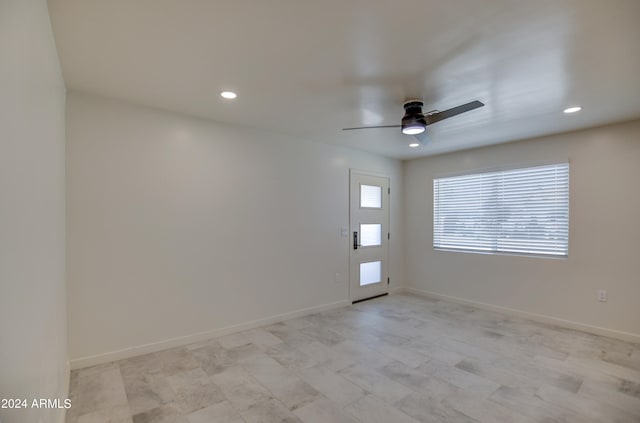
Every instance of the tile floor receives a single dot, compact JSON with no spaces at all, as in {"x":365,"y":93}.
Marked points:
{"x":396,"y":359}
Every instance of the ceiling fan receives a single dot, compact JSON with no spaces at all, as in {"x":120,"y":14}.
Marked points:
{"x":415,"y":121}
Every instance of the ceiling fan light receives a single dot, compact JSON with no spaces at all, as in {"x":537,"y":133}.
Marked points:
{"x":413,"y":129}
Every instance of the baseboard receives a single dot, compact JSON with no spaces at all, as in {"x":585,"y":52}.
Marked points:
{"x":79,"y":363}
{"x":625,"y":336}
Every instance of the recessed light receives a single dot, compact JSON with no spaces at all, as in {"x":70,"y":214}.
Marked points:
{"x":573,"y":109}
{"x":414,"y":145}
{"x":229,"y":95}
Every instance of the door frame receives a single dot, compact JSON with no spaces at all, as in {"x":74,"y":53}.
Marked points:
{"x":360,"y":172}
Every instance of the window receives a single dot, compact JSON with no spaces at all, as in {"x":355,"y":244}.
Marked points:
{"x":522,"y":211}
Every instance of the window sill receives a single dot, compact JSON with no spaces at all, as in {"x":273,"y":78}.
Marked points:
{"x":502,"y":253}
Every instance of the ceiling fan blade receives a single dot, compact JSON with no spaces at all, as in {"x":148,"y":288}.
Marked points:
{"x":422,"y":138}
{"x":371,"y":127}
{"x":438,"y":116}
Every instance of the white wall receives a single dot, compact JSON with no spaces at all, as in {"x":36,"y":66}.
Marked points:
{"x":604,"y":251}
{"x":178,"y":226}
{"x":33,"y":342}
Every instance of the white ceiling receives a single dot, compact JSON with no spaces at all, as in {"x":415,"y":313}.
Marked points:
{"x":310,"y":68}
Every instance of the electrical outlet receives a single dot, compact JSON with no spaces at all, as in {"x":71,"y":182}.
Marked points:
{"x":602,"y":295}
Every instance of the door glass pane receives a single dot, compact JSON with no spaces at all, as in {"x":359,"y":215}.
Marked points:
{"x":370,"y":196}
{"x":370,"y":234}
{"x":370,"y":272}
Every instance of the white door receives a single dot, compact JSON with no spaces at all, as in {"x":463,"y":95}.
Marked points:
{"x":369,"y":231}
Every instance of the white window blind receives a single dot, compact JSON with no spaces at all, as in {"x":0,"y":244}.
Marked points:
{"x":512,"y":211}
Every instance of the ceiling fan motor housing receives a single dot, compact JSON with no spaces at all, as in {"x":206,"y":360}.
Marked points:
{"x":413,"y":113}
{"x":413,"y":106}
